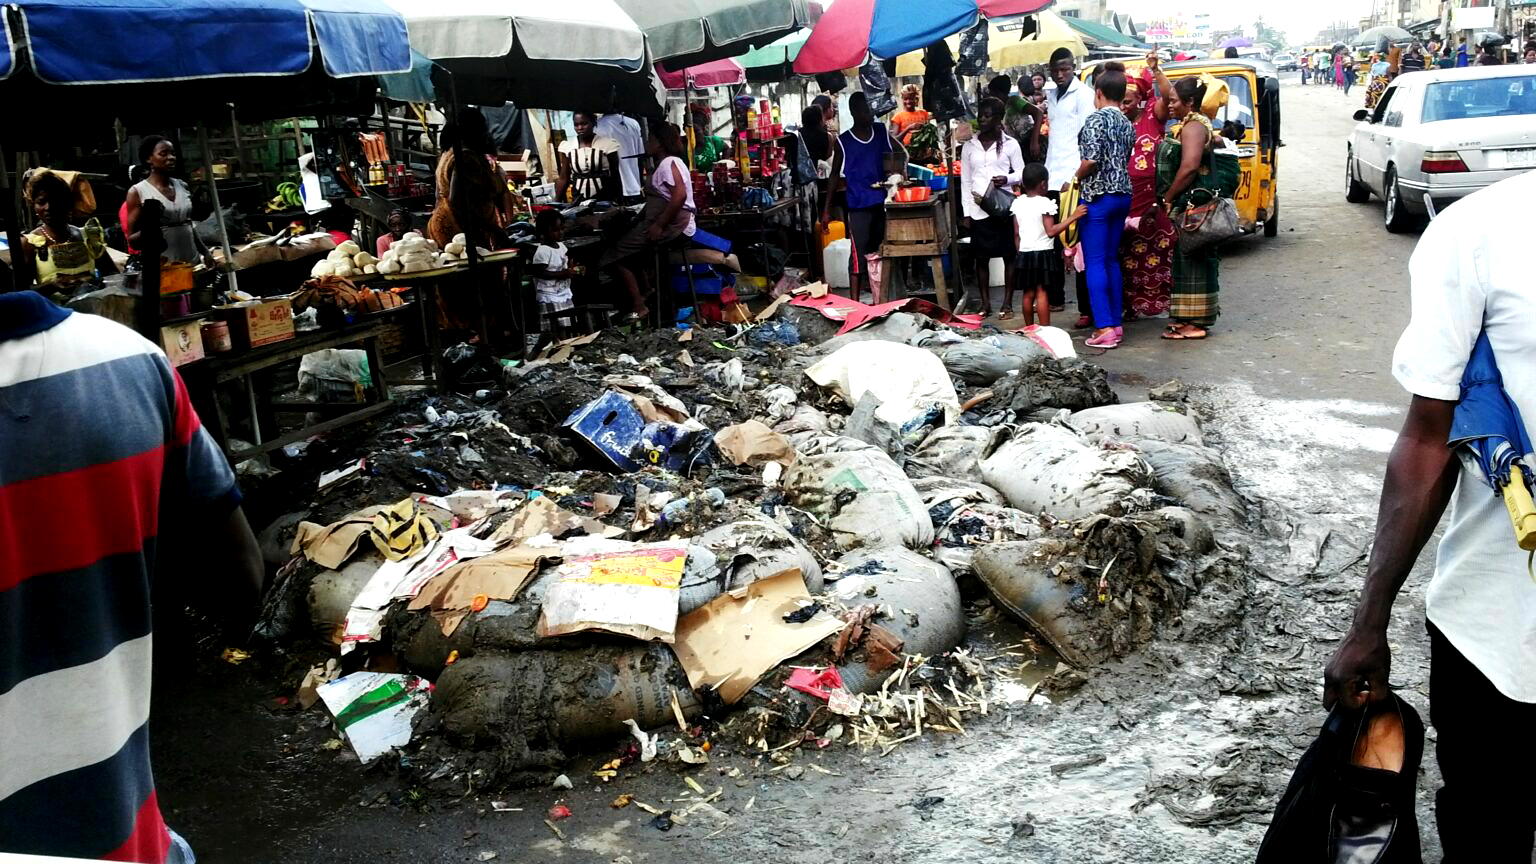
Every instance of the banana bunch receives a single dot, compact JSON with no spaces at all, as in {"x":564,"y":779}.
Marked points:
{"x":287,"y":196}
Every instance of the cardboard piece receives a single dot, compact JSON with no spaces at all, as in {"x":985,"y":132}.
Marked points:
{"x":258,"y":322}
{"x":753,"y":443}
{"x":501,"y":575}
{"x":616,"y":586}
{"x":732,"y":641}
{"x":771,"y":308}
{"x":374,"y":709}
{"x":398,"y":580}
{"x":542,"y":515}
{"x":183,"y":343}
{"x":333,"y":545}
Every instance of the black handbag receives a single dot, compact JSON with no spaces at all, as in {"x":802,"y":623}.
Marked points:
{"x":1337,"y":811}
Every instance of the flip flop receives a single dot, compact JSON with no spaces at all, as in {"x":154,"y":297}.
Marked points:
{"x":1004,"y":313}
{"x":1174,"y":334}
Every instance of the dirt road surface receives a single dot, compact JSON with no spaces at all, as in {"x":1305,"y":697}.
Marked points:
{"x":1176,"y":754}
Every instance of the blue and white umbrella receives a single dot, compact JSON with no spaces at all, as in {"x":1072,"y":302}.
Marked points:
{"x":152,"y":41}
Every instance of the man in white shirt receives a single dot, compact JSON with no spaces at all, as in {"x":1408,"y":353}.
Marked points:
{"x":1070,"y":102}
{"x":1469,"y":275}
{"x":626,"y":131}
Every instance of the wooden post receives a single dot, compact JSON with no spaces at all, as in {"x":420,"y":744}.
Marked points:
{"x":218,"y":212}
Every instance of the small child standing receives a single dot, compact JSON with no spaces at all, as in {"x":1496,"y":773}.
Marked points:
{"x":551,"y":267}
{"x":1034,"y":234}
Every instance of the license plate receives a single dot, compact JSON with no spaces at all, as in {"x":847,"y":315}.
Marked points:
{"x":1513,"y":158}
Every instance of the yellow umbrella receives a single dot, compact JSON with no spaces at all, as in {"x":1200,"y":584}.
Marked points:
{"x":1005,"y":49}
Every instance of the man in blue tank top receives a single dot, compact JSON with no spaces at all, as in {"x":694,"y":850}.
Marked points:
{"x":861,"y":161}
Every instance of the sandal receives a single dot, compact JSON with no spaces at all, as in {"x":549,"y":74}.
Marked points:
{"x":1005,"y":313}
{"x":1107,"y":340}
{"x":1083,"y":322}
{"x":1184,"y":333}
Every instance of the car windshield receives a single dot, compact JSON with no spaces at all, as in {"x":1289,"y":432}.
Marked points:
{"x":1480,"y":97}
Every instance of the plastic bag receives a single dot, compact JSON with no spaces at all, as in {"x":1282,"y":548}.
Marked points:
{"x":906,"y":380}
{"x":877,"y":88}
{"x":1048,"y":469}
{"x":972,"y":526}
{"x":942,"y":94}
{"x":1195,"y":476}
{"x":331,"y":373}
{"x":973,"y":50}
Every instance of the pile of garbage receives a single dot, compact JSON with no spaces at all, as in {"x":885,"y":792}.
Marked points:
{"x":769,"y":526}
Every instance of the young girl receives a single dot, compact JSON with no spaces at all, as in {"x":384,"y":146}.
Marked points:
{"x":1034,"y":235}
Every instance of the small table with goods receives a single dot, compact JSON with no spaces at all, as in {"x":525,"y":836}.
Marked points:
{"x":917,"y":225}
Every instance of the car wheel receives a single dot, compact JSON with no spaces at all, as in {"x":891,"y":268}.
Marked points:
{"x":1397,"y":218}
{"x":1355,"y":192}
{"x":1272,"y":224}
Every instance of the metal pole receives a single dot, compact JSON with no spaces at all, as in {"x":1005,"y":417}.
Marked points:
{"x":234,"y":131}
{"x":218,"y":212}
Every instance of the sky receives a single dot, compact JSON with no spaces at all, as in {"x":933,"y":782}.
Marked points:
{"x":1300,"y":19}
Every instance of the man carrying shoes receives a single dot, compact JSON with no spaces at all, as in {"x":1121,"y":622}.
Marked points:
{"x":1468,"y":276}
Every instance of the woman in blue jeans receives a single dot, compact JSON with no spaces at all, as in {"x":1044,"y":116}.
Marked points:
{"x":1104,"y":180}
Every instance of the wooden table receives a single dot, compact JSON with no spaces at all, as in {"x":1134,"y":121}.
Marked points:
{"x":243,"y":367}
{"x":920,"y":229}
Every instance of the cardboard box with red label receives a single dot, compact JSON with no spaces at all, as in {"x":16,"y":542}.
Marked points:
{"x":263,"y":322}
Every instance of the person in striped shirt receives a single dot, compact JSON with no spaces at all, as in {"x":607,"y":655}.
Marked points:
{"x":101,"y":454}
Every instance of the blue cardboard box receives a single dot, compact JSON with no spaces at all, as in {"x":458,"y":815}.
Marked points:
{"x":611,"y":425}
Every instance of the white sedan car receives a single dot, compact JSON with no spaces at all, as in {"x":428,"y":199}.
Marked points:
{"x":1437,"y":136}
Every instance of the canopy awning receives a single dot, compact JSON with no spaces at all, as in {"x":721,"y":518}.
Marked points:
{"x":689,"y":32}
{"x":152,"y":41}
{"x":1103,"y":34}
{"x":571,"y":54}
{"x":716,"y":73}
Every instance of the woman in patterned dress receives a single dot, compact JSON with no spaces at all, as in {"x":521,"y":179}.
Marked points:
{"x":1146,"y":254}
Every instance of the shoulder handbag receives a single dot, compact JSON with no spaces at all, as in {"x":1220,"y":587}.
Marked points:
{"x":1207,"y":224}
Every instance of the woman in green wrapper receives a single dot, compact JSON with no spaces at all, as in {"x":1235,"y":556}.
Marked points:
{"x":1186,"y":157}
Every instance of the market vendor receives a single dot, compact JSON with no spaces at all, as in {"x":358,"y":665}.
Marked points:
{"x":911,"y":116}
{"x":668,"y":213}
{"x":181,"y":242}
{"x":476,"y":201}
{"x":588,"y":163}
{"x":400,"y":221}
{"x":56,"y":249}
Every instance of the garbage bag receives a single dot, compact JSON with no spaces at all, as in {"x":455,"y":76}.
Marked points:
{"x":335,"y":375}
{"x":831,"y":83}
{"x":1048,"y":469}
{"x":526,"y":704}
{"x":1099,"y":590}
{"x":952,"y":451}
{"x":744,"y":552}
{"x":877,"y":88}
{"x":972,"y":526}
{"x":1352,"y":796}
{"x":896,"y":327}
{"x":973,"y":50}
{"x":1018,"y":346}
{"x":976,"y":362}
{"x":928,"y":616}
{"x":907,"y":380}
{"x":1195,"y":476}
{"x":861,"y":494}
{"x":1136,"y":420}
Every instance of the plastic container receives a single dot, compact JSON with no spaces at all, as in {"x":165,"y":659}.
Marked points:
{"x":913,"y":194}
{"x":834,"y":262}
{"x":834,"y":231}
{"x":216,"y":338}
{"x":938,"y":182}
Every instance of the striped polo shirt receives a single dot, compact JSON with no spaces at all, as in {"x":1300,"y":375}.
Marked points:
{"x":97,"y":438}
